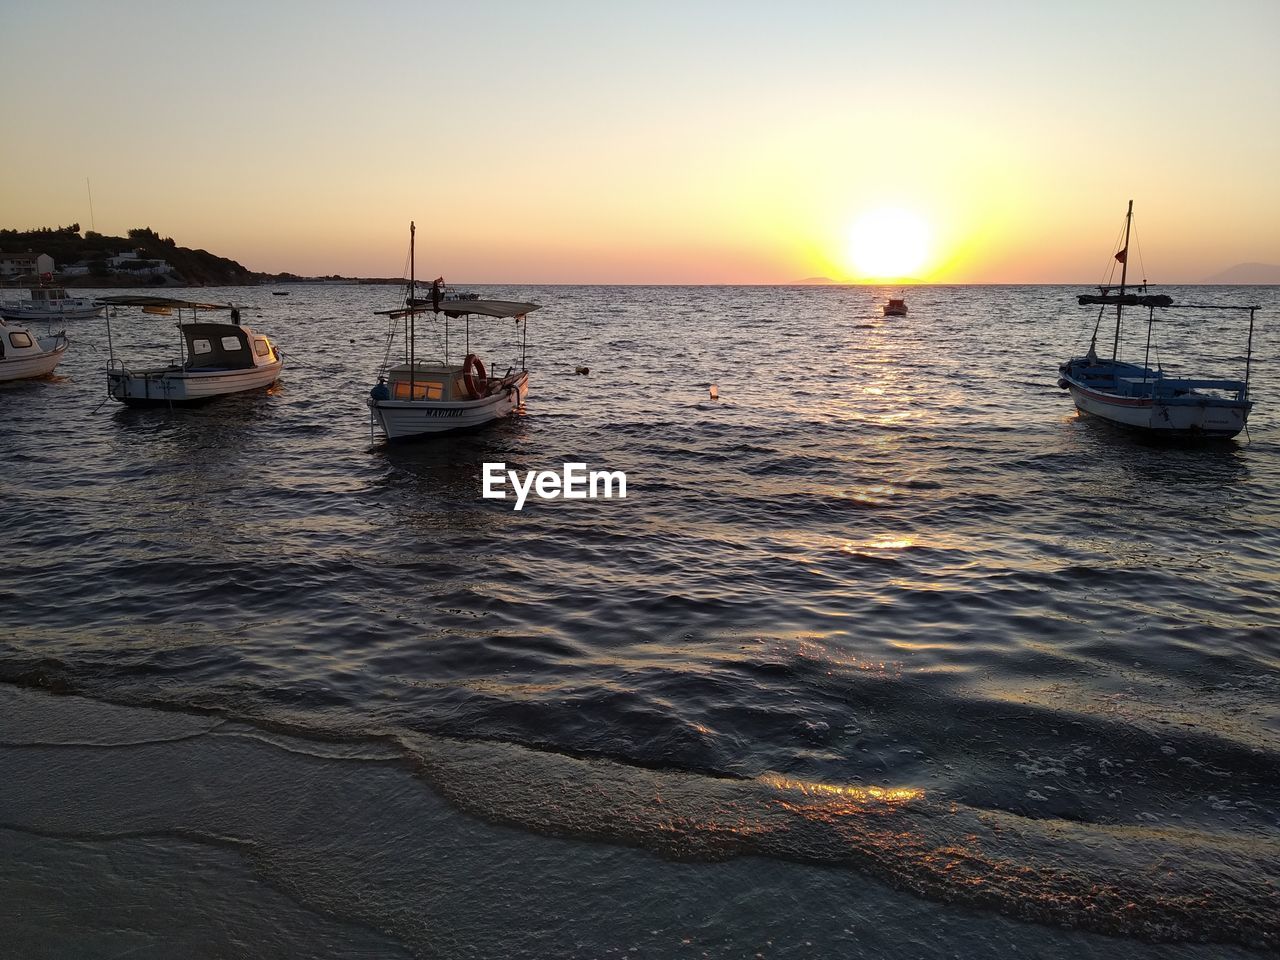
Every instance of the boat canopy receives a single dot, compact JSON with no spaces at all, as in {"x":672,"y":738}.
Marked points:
{"x":163,"y":302}
{"x":217,"y":346}
{"x":501,"y":309}
{"x":1127,"y":299}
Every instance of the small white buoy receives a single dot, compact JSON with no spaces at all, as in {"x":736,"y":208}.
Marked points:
{"x":715,"y":392}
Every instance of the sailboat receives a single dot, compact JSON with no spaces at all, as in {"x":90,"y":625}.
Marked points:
{"x":422,"y":397}
{"x":1151,"y":400}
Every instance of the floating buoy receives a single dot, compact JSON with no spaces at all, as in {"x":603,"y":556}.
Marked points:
{"x":715,"y":392}
{"x":582,"y":371}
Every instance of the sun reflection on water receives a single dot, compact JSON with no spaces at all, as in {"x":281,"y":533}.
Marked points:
{"x":858,"y":799}
{"x":876,"y":544}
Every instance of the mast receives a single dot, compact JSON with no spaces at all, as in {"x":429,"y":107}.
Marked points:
{"x":1124,"y":272}
{"x":412,"y":287}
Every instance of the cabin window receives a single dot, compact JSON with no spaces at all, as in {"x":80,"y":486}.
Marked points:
{"x":422,"y":390}
{"x":231,"y":343}
{"x":201,"y":346}
{"x":20,"y":339}
{"x":261,"y":349}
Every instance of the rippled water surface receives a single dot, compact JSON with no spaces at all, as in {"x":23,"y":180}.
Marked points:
{"x":888,"y":605}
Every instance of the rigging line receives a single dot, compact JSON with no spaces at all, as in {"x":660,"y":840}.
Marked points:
{"x":1142,"y":266}
{"x":1115,"y":248}
{"x":303,"y":364}
{"x":391,"y":339}
{"x":1097,"y":324}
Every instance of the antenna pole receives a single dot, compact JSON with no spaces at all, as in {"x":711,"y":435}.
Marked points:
{"x":1248,"y":357}
{"x":413,"y":367}
{"x":1124,"y":272}
{"x":92,"y":223}
{"x":1151,"y":320}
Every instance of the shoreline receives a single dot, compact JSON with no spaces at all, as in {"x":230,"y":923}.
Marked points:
{"x":336,"y":840}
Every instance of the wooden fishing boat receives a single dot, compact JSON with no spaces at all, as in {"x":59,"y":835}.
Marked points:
{"x":1140,"y":397}
{"x":424,"y":397}
{"x":50,"y":303}
{"x":24,"y":356}
{"x":895,"y":308}
{"x":217,"y":358}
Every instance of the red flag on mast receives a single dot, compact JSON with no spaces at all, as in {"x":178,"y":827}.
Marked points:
{"x":1122,"y":254}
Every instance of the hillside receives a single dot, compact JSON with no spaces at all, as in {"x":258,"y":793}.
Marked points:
{"x":1248,"y":273}
{"x":67,"y":246}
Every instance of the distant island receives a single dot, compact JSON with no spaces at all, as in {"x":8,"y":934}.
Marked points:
{"x":143,"y":258}
{"x":1248,"y":273}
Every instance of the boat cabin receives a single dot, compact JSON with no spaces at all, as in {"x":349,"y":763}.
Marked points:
{"x":225,"y":346}
{"x":17,"y":343}
{"x":48,"y":294}
{"x":434,"y":381}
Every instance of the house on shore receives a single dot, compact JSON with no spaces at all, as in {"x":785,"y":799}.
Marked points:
{"x":14,"y":266}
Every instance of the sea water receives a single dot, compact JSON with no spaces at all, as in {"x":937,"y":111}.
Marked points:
{"x":886,"y":652}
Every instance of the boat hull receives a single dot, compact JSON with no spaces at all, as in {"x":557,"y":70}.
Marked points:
{"x":1206,"y":419}
{"x":408,"y":419}
{"x":40,"y":365}
{"x":20,"y":313}
{"x":178,"y":386}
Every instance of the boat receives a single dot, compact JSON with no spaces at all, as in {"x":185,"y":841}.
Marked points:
{"x":1153,"y":400}
{"x":24,"y":356}
{"x":218,"y":358}
{"x":50,"y":303}
{"x":424,"y":397}
{"x":895,"y":308}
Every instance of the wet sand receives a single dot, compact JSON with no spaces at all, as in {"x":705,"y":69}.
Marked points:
{"x":150,"y":833}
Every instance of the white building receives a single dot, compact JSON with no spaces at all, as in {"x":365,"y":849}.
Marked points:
{"x":130,"y":262}
{"x":25,"y":264}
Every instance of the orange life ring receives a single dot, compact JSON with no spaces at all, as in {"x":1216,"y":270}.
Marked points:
{"x":473,"y":377}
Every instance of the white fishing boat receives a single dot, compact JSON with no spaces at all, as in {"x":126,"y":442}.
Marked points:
{"x":216,"y":358}
{"x":50,"y":303}
{"x":24,"y":356}
{"x":421,"y":397}
{"x":1152,"y":400}
{"x":895,"y":308}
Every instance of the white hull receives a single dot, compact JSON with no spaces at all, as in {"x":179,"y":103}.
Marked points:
{"x":187,"y":386}
{"x":19,"y":311}
{"x":25,"y":368}
{"x":401,"y":419}
{"x":1203,"y":419}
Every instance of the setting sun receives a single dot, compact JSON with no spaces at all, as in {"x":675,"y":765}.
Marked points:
{"x":888,"y":244}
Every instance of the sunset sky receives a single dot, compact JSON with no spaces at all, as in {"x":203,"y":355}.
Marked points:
{"x":680,"y":142}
